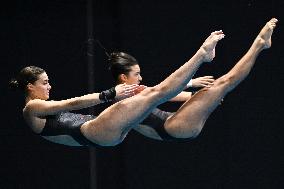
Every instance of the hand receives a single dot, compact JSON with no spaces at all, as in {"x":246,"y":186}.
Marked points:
{"x":205,"y":81}
{"x":124,"y":91}
{"x":139,"y":89}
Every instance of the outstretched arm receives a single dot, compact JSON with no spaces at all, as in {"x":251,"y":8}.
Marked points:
{"x":200,"y":82}
{"x":182,"y":97}
{"x":204,"y":81}
{"x":124,"y":91}
{"x":39,"y":107}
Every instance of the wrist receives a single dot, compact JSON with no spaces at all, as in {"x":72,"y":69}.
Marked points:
{"x":189,"y":84}
{"x":107,"y":95}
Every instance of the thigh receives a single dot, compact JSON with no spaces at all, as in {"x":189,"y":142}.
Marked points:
{"x":111,"y":126}
{"x":192,"y":115}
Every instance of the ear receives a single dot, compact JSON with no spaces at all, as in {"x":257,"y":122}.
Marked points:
{"x":123,"y":78}
{"x":30,"y":86}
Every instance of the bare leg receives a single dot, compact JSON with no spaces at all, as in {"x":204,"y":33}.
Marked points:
{"x":112,"y":124}
{"x":190,"y":118}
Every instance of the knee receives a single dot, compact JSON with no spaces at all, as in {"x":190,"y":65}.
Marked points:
{"x":151,"y":92}
{"x":225,"y":80}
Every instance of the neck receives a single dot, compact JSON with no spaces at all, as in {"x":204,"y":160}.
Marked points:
{"x":118,"y":82}
{"x":28,"y":98}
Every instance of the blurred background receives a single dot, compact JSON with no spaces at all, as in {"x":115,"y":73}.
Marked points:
{"x":241,"y":145}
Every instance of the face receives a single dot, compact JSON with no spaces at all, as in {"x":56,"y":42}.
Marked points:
{"x":40,"y":88}
{"x":133,"y":77}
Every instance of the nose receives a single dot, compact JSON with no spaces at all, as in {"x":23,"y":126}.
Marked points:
{"x":140,"y":78}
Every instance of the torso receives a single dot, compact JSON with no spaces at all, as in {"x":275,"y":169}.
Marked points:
{"x":35,"y":123}
{"x":62,"y":128}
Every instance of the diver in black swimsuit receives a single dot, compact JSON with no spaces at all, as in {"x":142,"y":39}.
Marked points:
{"x":125,"y":69}
{"x":112,"y":125}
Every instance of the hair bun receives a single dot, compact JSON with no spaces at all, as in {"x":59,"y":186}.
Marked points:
{"x":113,"y":57}
{"x":14,"y":84}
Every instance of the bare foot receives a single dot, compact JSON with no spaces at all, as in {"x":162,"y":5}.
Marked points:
{"x":208,"y":47}
{"x":264,"y":37}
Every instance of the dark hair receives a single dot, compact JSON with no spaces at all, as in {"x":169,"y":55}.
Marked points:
{"x":27,"y":75}
{"x":120,"y":63}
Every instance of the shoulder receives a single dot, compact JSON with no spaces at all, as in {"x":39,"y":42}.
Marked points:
{"x":30,"y":113}
{"x":33,"y":105}
{"x":41,"y":108}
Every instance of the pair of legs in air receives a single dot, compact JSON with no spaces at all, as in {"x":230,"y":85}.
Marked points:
{"x":112,"y":125}
{"x":190,"y":118}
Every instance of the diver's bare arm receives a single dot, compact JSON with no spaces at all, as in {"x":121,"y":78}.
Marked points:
{"x":182,"y":97}
{"x":41,"y":107}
